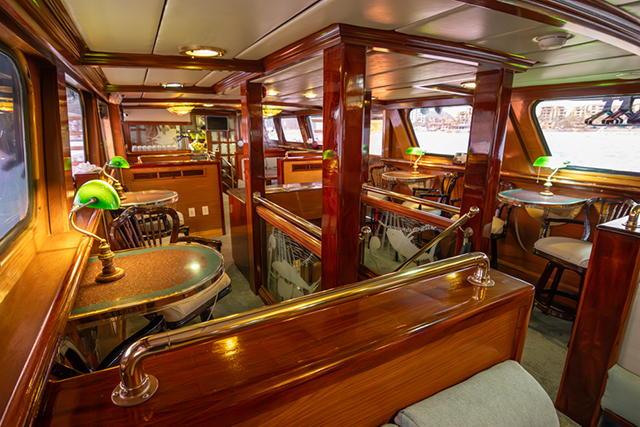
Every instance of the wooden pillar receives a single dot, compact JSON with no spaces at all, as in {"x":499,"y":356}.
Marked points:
{"x":59,"y":180}
{"x":252,"y":129}
{"x":117,"y":129}
{"x":343,"y":114}
{"x":486,"y":146}
{"x":607,"y":295}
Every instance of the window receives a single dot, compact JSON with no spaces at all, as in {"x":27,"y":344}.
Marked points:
{"x":76,"y":129}
{"x":375,"y":135}
{"x":593,"y":133}
{"x":270,"y":129}
{"x":315,"y":124}
{"x":14,"y":169}
{"x":443,"y":131}
{"x":291,"y":129}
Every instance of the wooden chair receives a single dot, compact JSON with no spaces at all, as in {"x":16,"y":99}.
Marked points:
{"x":499,"y":226}
{"x":375,"y":172}
{"x":141,"y":227}
{"x":443,"y":194}
{"x":573,"y":254}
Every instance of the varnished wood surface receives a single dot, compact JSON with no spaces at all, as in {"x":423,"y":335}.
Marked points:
{"x":486,"y":146}
{"x":290,"y":171}
{"x":355,"y":363}
{"x":425,"y":217}
{"x":344,"y":92}
{"x":193,"y":191}
{"x":306,"y":240}
{"x":610,"y":284}
{"x":33,"y":315}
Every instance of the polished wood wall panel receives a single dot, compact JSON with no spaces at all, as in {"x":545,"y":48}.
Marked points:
{"x":254,"y":176}
{"x":609,"y":288}
{"x":486,"y":145}
{"x":352,"y":364}
{"x":343,"y":106}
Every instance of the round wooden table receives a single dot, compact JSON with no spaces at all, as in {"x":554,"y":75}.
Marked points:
{"x":149,"y":198}
{"x":405,"y":181}
{"x":541,"y":207}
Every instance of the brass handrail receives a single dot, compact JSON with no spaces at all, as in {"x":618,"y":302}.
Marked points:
{"x":302,"y":223}
{"x":174,"y":155}
{"x":450,"y":229}
{"x":430,"y":203}
{"x":137,"y":387}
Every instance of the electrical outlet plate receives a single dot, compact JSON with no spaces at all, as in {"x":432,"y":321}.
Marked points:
{"x":205,"y":210}
{"x":192,"y":211}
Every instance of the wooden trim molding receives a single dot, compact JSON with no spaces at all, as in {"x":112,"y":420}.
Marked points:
{"x":110,"y":59}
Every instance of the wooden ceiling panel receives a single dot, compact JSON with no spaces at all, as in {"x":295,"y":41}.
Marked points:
{"x":161,"y":95}
{"x":466,"y":24}
{"x":379,"y":14}
{"x":213,"y":78}
{"x":132,"y":95}
{"x":156,"y":76}
{"x":231,"y":25}
{"x":125,"y":76}
{"x":435,"y":72}
{"x":309,"y":66}
{"x":105,"y":28}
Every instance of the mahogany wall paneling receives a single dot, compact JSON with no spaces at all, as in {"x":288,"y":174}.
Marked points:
{"x":386,"y":134}
{"x":404,"y":344}
{"x":486,"y":145}
{"x":251,"y":97}
{"x":401,"y":135}
{"x":302,"y":123}
{"x":238,"y":228}
{"x":343,"y":111}
{"x":610,"y":284}
{"x":95,"y":154}
{"x":57,"y":148}
{"x":115,"y":116}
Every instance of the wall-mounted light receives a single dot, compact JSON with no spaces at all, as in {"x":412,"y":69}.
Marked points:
{"x":180,"y":110}
{"x":201,"y":51}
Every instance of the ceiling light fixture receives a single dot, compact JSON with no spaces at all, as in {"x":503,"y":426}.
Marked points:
{"x":468,"y":85}
{"x":201,"y":51}
{"x":171,"y":85}
{"x":629,"y":76}
{"x":208,"y":105}
{"x":310,"y":95}
{"x":552,"y":41}
{"x":180,"y":110}
{"x":270,"y":111}
{"x":272,"y":92}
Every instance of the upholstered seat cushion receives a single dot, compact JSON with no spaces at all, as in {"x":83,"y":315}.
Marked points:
{"x":181,"y":309}
{"x":503,"y":395}
{"x":574,"y":251}
{"x":622,"y":394}
{"x":497,"y":225}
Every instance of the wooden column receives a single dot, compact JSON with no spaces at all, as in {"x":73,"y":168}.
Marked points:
{"x":343,"y":112}
{"x":607,"y":295}
{"x":57,"y":148}
{"x":486,"y":146}
{"x":251,"y":97}
{"x":117,"y":129}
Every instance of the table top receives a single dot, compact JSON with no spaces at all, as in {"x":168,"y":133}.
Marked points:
{"x":533,"y":199}
{"x":149,"y":198}
{"x":406,"y":176}
{"x":150,"y":276}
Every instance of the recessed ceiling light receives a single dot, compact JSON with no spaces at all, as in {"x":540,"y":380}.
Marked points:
{"x":272,"y":92}
{"x":552,"y":41}
{"x":208,"y":105}
{"x":201,"y":51}
{"x":629,"y":76}
{"x":468,"y":85}
{"x":310,"y":95}
{"x":170,"y":85}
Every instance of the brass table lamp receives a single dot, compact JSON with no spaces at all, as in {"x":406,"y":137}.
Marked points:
{"x":116,"y":162}
{"x":550,"y":162}
{"x":416,"y":151}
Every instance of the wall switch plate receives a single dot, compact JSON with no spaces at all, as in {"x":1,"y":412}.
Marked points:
{"x":192,"y":211}
{"x":205,"y":210}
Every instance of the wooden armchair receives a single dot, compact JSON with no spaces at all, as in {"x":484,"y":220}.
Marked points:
{"x":443,"y":194}
{"x":139,"y":227}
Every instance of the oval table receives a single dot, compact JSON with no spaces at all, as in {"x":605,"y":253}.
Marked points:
{"x":149,"y":198}
{"x":541,"y":207}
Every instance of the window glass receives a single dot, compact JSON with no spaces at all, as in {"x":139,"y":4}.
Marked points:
{"x":291,"y":129}
{"x":375,"y":135}
{"x":593,"y":133}
{"x":442,"y":131}
{"x":14,"y":173}
{"x":315,"y":123}
{"x":270,"y":129}
{"x":76,"y":129}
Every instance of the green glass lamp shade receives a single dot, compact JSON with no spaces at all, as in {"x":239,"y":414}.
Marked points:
{"x":118,"y":162}
{"x":415,"y":150}
{"x":105,"y":193}
{"x":549,"y":162}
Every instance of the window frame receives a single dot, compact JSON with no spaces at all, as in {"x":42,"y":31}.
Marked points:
{"x":310,"y":127}
{"x":7,"y":239}
{"x":545,"y":146}
{"x":415,"y":137}
{"x":84,"y":124}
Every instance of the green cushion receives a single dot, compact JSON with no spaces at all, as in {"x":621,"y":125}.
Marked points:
{"x":503,"y":395}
